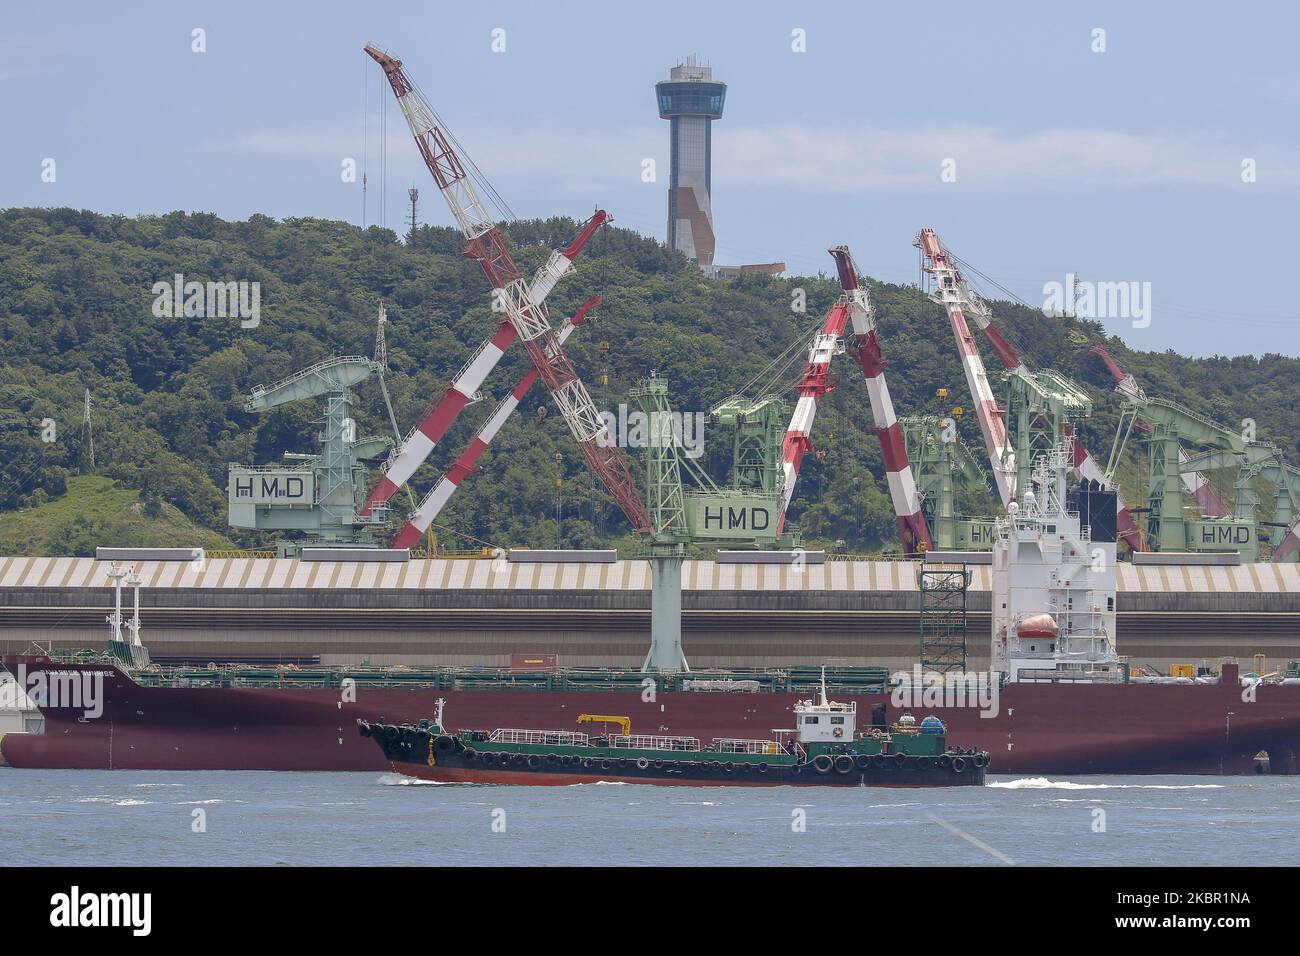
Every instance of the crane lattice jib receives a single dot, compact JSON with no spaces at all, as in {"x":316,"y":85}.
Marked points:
{"x":466,"y":464}
{"x":954,"y":294}
{"x":528,"y":316}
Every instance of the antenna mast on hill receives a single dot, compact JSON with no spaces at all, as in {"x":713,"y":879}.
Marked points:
{"x":381,"y":343}
{"x":415,"y":197}
{"x":87,"y":438}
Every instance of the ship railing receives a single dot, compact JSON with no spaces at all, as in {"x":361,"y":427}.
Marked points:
{"x":650,"y":742}
{"x":728,"y":745}
{"x":1065,"y":676}
{"x":547,"y":738}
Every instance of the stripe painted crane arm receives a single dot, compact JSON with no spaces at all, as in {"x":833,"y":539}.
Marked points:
{"x":419,"y":444}
{"x":1197,"y":485}
{"x":955,"y":295}
{"x":815,"y":383}
{"x":853,"y":306}
{"x":1081,"y":459}
{"x":865,"y":347}
{"x":521,"y":302}
{"x":427,"y":511}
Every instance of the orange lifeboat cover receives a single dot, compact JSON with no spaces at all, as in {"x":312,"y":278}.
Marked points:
{"x":1037,"y":625}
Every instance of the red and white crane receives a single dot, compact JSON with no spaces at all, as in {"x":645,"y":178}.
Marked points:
{"x":953,"y":292}
{"x":1197,"y":485}
{"x":420,"y":442}
{"x":427,"y":511}
{"x":522,"y":302}
{"x":854,"y":306}
{"x":962,"y":294}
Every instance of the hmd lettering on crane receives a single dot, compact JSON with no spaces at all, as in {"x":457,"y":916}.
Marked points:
{"x":76,"y":909}
{"x":242,"y":300}
{"x":728,"y":518}
{"x":270,"y":488}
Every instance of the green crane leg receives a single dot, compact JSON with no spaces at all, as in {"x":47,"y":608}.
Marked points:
{"x":665,"y":654}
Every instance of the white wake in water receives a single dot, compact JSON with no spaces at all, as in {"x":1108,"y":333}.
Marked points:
{"x":1042,"y":783}
{"x":397,"y":780}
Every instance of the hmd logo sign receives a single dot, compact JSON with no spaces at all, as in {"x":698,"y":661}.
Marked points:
{"x":735,"y":519}
{"x":1224,"y":534}
{"x":261,"y":487}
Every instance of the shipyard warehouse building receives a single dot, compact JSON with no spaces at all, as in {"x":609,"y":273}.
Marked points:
{"x":596,"y":612}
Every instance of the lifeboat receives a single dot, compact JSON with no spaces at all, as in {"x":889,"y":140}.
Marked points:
{"x":1037,"y":625}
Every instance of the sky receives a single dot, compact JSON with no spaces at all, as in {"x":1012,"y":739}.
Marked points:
{"x":1162,"y":151}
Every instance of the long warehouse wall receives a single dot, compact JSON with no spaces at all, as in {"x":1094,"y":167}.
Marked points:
{"x":466,"y":612}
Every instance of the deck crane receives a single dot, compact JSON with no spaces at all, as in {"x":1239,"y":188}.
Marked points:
{"x":952,"y":291}
{"x":427,"y":511}
{"x":522,"y":302}
{"x":1196,"y":484}
{"x":854,"y":306}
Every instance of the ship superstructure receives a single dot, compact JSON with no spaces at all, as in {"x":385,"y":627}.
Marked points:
{"x":1053,"y":594}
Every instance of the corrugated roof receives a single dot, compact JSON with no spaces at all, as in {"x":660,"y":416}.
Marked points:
{"x":469,"y":574}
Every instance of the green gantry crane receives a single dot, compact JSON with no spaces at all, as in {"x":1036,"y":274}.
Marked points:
{"x":744,"y":516}
{"x":945,"y":468}
{"x":318,"y":495}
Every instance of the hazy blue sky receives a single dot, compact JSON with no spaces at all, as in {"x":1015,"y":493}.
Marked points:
{"x":1121,"y":166}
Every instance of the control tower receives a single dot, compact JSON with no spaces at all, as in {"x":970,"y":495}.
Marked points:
{"x":691,"y":100}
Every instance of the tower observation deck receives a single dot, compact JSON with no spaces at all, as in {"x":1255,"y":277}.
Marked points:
{"x":690,"y":99}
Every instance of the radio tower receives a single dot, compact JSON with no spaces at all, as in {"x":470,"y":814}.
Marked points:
{"x":87,"y":438}
{"x":415,"y":198}
{"x":381,"y":343}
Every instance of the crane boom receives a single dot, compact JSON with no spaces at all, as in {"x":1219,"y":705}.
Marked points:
{"x":854,"y":304}
{"x":427,"y":511}
{"x":815,"y":383}
{"x":865,"y":346}
{"x":416,"y":447}
{"x":955,"y":295}
{"x":1197,"y":485}
{"x":522,"y":303}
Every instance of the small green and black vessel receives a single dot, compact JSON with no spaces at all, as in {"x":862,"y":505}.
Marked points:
{"x":823,"y":749}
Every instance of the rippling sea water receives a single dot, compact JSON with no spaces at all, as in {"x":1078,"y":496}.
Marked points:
{"x":132,"y":818}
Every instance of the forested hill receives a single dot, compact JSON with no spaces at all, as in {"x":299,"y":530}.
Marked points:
{"x":76,"y":311}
